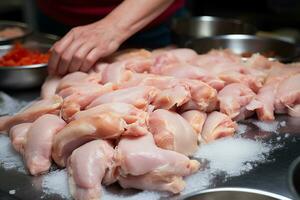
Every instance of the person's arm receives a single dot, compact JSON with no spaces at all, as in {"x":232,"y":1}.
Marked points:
{"x":84,"y":45}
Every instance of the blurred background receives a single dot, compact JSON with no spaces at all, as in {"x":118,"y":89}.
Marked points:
{"x":276,"y":16}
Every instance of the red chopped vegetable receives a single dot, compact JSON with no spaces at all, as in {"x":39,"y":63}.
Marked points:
{"x":19,"y":56}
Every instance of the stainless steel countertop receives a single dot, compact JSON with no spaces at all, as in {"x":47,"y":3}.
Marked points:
{"x":271,"y":176}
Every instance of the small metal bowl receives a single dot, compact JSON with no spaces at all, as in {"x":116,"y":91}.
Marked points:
{"x":282,"y":50}
{"x":234,"y":194}
{"x":294,"y":178}
{"x":11,"y":24}
{"x":205,"y":26}
{"x":23,"y":77}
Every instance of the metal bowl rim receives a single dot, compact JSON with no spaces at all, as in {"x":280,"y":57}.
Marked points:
{"x":292,"y":167}
{"x":35,"y":66}
{"x":242,"y":37}
{"x":237,"y":189}
{"x":209,"y":18}
{"x":24,"y":26}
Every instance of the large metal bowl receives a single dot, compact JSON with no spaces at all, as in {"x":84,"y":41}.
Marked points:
{"x":284,"y":51}
{"x":205,"y":26}
{"x":23,"y":77}
{"x":7,"y":24}
{"x":234,"y":194}
{"x":294,"y":178}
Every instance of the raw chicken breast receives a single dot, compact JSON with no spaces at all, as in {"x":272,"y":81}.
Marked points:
{"x":78,"y":97}
{"x":202,"y":94}
{"x":49,"y":87}
{"x":87,"y":167}
{"x":18,"y":136}
{"x":264,"y":101}
{"x":116,"y":73}
{"x":128,"y":112}
{"x":107,"y":125}
{"x":39,"y":141}
{"x":36,"y":110}
{"x":196,"y":119}
{"x":172,"y":97}
{"x":78,"y":78}
{"x":288,"y":95}
{"x":139,"y":96}
{"x":217,"y":125}
{"x":143,"y":165}
{"x":172,"y":132}
{"x":233,"y":100}
{"x":188,"y":71}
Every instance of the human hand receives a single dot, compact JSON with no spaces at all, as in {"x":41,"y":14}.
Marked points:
{"x":82,"y":46}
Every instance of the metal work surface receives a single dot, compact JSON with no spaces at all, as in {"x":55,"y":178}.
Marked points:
{"x":270,"y":176}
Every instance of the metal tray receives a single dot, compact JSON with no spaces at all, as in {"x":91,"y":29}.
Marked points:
{"x":271,"y":176}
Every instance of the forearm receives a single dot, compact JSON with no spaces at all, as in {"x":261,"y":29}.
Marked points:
{"x":132,"y":15}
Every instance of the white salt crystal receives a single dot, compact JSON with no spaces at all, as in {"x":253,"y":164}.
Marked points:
{"x":9,"y":105}
{"x":267,"y":126}
{"x":278,"y":138}
{"x":198,"y":181}
{"x":286,"y":135}
{"x":9,"y":158}
{"x":56,"y":182}
{"x":282,"y":123}
{"x":231,"y":155}
{"x":242,"y":128}
{"x":12,"y":192}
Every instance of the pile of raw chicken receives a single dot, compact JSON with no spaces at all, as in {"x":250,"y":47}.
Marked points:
{"x":138,"y":117}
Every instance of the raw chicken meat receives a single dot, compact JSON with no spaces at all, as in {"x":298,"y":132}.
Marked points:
{"x":188,"y":71}
{"x":107,"y":125}
{"x":172,"y":132}
{"x":143,"y":165}
{"x":37,"y":109}
{"x":39,"y":141}
{"x":217,"y":125}
{"x":204,"y":96}
{"x":136,"y":116}
{"x":169,"y":56}
{"x":233,"y":100}
{"x":78,"y":97}
{"x":264,"y":101}
{"x":87,"y":167}
{"x":18,"y":136}
{"x":129,"y":54}
{"x":172,"y":97}
{"x":128,"y":112}
{"x":49,"y":87}
{"x":196,"y":119}
{"x":212,"y":59}
{"x":139,"y":96}
{"x":78,"y":78}
{"x":288,"y":96}
{"x":116,"y":73}
{"x":252,"y":81}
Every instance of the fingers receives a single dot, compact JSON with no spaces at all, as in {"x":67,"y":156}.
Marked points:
{"x":91,"y":59}
{"x":56,"y":52}
{"x":80,"y":55}
{"x":66,"y":58}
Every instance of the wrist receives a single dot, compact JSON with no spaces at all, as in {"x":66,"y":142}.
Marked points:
{"x":120,"y":31}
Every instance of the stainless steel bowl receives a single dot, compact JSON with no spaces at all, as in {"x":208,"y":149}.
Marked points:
{"x":6,"y":24}
{"x":234,"y":194}
{"x":294,"y":178}
{"x":284,"y":51}
{"x":205,"y":26}
{"x":23,"y":77}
